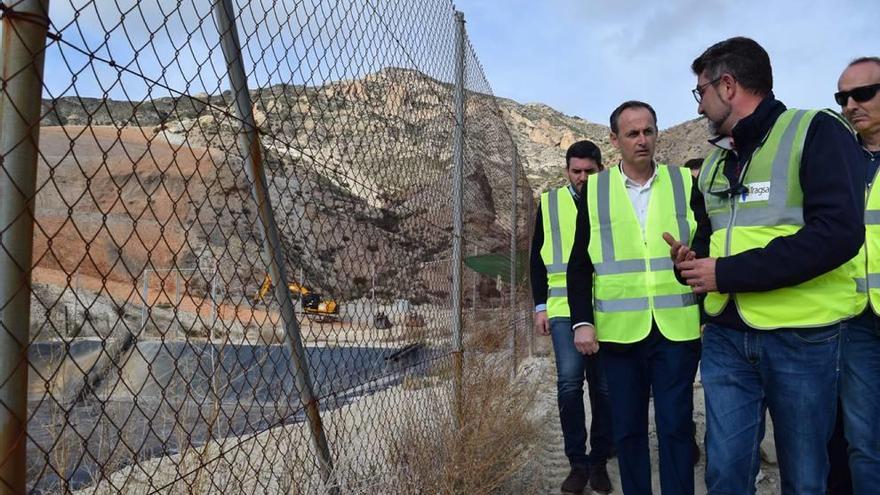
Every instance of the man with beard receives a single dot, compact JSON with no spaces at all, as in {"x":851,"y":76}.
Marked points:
{"x":551,"y":245}
{"x":784,"y":194}
{"x":627,"y":305}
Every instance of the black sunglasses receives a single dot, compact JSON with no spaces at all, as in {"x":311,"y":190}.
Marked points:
{"x":860,"y":94}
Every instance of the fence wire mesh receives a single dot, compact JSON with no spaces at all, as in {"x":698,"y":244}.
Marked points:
{"x":155,"y":351}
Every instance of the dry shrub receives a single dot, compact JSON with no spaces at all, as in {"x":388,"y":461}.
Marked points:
{"x":487,"y":330}
{"x":484,"y":452}
{"x":414,"y":333}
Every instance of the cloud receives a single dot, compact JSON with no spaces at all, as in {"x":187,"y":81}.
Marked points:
{"x":585,"y":57}
{"x":582,"y":58}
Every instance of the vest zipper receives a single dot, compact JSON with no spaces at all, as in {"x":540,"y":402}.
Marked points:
{"x":730,"y":223}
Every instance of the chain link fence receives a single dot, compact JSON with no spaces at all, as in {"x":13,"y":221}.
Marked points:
{"x":228,"y":241}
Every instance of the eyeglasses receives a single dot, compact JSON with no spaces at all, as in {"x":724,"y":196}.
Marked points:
{"x":698,"y":91}
{"x":860,"y":94}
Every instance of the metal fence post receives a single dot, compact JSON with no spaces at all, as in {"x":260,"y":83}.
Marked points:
{"x":457,"y":192}
{"x":25,"y":24}
{"x":249,"y":142}
{"x":474,"y":276}
{"x":513,"y":260}
{"x":528,"y":312}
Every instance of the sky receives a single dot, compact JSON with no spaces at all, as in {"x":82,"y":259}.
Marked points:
{"x":584,"y":58}
{"x":581,"y":57}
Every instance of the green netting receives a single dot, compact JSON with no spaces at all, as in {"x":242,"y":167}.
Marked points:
{"x":495,"y":265}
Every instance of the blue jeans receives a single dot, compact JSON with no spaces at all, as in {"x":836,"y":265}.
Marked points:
{"x":667,"y":368}
{"x":791,"y":372}
{"x":839,"y":478}
{"x":860,"y":394}
{"x":572,"y":368}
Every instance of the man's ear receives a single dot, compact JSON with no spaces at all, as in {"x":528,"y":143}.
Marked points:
{"x":730,"y":88}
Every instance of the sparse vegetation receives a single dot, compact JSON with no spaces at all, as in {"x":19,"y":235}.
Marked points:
{"x":480,"y":454}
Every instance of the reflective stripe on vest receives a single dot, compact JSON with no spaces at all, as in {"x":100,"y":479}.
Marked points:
{"x":778,"y":212}
{"x":869,"y":281}
{"x":634,"y":280}
{"x":610,"y":265}
{"x":772,"y":207}
{"x":559,"y":215}
{"x":643,"y":303}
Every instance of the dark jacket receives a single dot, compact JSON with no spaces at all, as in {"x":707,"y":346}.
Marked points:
{"x":832,"y":180}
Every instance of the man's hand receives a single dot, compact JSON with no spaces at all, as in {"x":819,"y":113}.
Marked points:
{"x":678,"y":251}
{"x":699,"y":274}
{"x":585,"y":339}
{"x":542,"y":325}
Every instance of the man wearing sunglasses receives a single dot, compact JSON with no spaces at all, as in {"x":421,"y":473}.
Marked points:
{"x":627,"y":305}
{"x":784,"y":195}
{"x":551,"y":246}
{"x":859,"y":99}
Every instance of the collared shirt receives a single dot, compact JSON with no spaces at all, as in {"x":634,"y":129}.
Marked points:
{"x":574,"y":194}
{"x":639,"y":194}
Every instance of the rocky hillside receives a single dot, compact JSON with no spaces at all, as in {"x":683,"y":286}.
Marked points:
{"x":542,"y":135}
{"x":683,"y":142}
{"x":359,"y":173}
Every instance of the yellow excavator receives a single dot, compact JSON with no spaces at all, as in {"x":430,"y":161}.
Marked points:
{"x":314,"y":305}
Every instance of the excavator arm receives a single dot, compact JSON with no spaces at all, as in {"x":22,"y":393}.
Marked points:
{"x":293,"y":287}
{"x":312,"y":302}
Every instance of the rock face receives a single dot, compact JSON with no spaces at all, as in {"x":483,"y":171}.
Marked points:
{"x":359,"y":174}
{"x":543,"y":134}
{"x":684,"y":141}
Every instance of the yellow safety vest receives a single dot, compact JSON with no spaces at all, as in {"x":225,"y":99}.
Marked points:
{"x":869,"y":282}
{"x":558,"y":217}
{"x":634,"y":282}
{"x":773,"y":207}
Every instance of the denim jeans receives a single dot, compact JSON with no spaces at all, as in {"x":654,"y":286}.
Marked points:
{"x":792,"y":372}
{"x":633,"y":371}
{"x":860,"y":394}
{"x":839,"y":478}
{"x":572,"y":368}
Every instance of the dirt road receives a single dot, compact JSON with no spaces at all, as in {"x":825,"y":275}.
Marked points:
{"x":554,"y":465}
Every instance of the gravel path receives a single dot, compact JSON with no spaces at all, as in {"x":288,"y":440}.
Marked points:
{"x":551,"y":465}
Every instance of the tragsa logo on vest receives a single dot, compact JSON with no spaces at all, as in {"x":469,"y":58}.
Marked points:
{"x":757,"y":191}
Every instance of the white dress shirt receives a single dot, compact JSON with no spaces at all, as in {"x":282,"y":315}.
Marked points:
{"x":639,"y":195}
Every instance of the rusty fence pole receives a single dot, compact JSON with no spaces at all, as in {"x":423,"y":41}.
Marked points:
{"x":457,"y":230}
{"x":513,"y":261}
{"x":249,"y":142}
{"x":25,"y":24}
{"x":529,"y":313}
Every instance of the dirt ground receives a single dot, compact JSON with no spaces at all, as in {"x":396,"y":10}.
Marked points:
{"x":553,"y":465}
